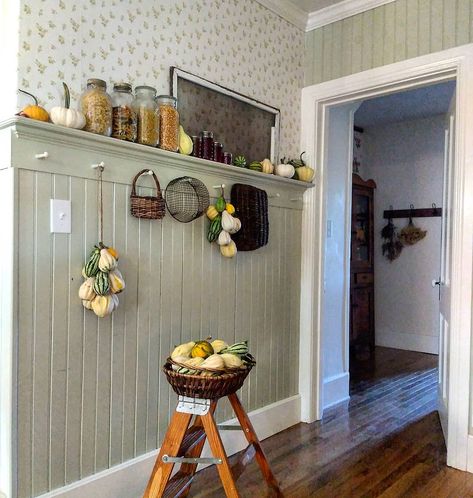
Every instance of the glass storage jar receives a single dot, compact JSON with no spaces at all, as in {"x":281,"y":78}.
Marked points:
{"x":218,"y":152}
{"x":145,"y":108}
{"x":124,"y":115}
{"x":207,"y":145}
{"x":96,"y":105}
{"x":168,"y":123}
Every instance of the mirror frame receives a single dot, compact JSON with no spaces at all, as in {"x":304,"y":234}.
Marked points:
{"x":275,"y":130}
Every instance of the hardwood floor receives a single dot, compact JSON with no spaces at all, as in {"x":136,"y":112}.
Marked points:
{"x":386,"y":441}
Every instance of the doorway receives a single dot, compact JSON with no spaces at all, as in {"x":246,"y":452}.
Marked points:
{"x":397,"y":192}
{"x":318,"y":102}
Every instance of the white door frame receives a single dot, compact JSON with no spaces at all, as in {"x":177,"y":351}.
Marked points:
{"x":316,"y":101}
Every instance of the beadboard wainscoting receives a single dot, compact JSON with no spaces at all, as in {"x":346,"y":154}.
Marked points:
{"x":90,"y":391}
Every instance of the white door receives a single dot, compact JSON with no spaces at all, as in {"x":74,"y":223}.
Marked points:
{"x":445,"y":268}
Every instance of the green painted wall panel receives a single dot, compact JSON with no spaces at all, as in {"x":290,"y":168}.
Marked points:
{"x":393,"y":32}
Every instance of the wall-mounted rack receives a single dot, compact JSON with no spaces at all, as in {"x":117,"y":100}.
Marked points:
{"x":431,"y":212}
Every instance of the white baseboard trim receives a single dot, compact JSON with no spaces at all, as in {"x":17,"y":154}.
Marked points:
{"x":469,"y":458}
{"x":336,"y":389}
{"x":129,"y":479}
{"x":408,"y":342}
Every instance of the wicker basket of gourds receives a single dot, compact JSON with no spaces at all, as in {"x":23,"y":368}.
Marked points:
{"x":208,"y":370}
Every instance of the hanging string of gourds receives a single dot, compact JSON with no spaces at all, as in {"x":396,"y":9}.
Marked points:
{"x":103,"y":280}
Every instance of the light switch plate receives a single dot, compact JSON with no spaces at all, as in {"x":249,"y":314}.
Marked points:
{"x":60,"y":216}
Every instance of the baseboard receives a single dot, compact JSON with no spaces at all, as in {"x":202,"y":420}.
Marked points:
{"x":469,"y":457}
{"x":336,"y":389}
{"x":129,"y":479}
{"x":408,"y":342}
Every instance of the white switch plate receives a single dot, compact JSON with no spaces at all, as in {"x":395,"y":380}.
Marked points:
{"x":60,"y":216}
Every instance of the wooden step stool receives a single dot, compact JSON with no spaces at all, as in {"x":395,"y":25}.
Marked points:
{"x":183,"y":444}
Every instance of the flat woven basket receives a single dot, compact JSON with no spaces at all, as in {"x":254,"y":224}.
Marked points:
{"x":251,"y":205}
{"x":198,"y":386}
{"x":148,"y":207}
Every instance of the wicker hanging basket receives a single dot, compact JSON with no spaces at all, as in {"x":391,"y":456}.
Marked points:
{"x":251,"y":206}
{"x":148,"y":207}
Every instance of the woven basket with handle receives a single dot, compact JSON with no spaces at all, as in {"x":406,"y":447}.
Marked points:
{"x":149,"y":207}
{"x":215,"y":386}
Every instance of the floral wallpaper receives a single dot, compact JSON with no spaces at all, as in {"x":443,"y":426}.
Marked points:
{"x":237,"y":43}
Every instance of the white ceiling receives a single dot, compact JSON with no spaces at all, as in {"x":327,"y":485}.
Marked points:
{"x":405,"y":106}
{"x":313,"y":5}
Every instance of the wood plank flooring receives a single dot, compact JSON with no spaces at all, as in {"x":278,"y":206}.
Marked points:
{"x":385,"y":442}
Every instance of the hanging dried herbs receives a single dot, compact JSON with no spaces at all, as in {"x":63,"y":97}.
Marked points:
{"x":392,"y":246}
{"x":411,"y":234}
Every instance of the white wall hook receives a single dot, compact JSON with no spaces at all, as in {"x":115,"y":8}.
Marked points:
{"x":42,"y":155}
{"x":100,"y":166}
{"x":219,"y":186}
{"x":150,"y":173}
{"x":277,"y":194}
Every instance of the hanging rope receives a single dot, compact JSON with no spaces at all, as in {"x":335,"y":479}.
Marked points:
{"x":100,"y":204}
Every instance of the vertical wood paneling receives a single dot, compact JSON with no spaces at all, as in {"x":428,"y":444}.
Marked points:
{"x":436,"y":25}
{"x":58,"y":374}
{"x":120,"y":203}
{"x":42,"y":326}
{"x":89,"y":346}
{"x":91,"y":393}
{"x":412,"y":29}
{"x":26,"y":339}
{"x":462,"y":22}
{"x":367,"y":42}
{"x":357,"y":40}
{"x":75,"y":333}
{"x":398,"y":30}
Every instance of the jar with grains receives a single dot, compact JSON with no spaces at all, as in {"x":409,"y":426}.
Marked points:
{"x":145,"y":108}
{"x":96,"y":105}
{"x":168,"y":123}
{"x":124,"y":115}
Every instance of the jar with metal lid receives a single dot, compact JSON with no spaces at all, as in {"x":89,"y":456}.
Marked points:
{"x":168,"y":123}
{"x":145,"y":108}
{"x":124,"y":116}
{"x":207,"y":145}
{"x":96,"y":105}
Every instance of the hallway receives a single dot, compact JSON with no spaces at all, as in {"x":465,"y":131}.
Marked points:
{"x":386,"y":441}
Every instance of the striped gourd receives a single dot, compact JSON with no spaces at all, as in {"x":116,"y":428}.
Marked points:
{"x":92,"y":266}
{"x":102,"y":284}
{"x":239,"y":348}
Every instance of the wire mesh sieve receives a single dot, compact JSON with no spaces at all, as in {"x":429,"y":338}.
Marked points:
{"x":186,"y":198}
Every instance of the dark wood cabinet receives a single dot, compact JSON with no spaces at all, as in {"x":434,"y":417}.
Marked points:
{"x":362,"y":273}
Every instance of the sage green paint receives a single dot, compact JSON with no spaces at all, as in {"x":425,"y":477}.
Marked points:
{"x":90,"y":391}
{"x":390,"y":33}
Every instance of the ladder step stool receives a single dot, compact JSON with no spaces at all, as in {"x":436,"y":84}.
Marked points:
{"x":183,"y":444}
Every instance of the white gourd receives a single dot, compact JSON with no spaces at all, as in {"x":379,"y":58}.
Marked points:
{"x":227,"y":221}
{"x":231,"y":360}
{"x":106,"y":262}
{"x":86,"y":290}
{"x":236,"y":226}
{"x":218,"y":345}
{"x":214,"y":361}
{"x":285,"y":170}
{"x":267,"y":166}
{"x":183,"y":350}
{"x":224,"y":238}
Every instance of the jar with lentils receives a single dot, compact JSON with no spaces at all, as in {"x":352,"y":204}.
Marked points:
{"x":168,"y":123}
{"x":96,"y":105}
{"x":124,"y":115}
{"x":145,"y":108}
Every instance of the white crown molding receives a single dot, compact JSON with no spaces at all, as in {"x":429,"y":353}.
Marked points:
{"x":288,"y":11}
{"x":341,"y":10}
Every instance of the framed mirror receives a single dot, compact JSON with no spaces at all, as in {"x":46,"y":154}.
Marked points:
{"x":243,"y":125}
